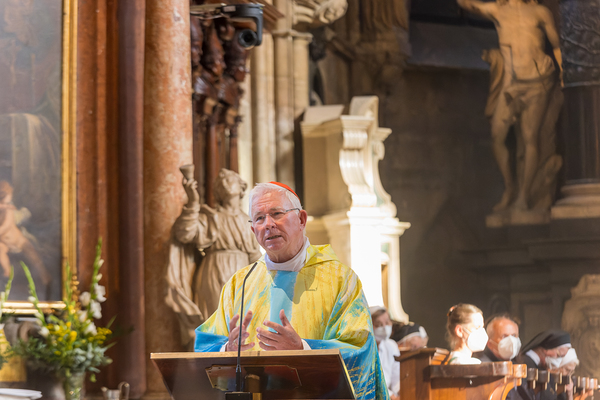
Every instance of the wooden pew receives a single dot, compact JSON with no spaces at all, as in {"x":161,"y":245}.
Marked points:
{"x":584,"y":387}
{"x":422,"y":377}
{"x":539,"y":380}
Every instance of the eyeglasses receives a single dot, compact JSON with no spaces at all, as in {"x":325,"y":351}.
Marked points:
{"x":275,"y":216}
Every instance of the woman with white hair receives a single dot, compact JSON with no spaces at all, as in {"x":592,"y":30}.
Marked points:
{"x":567,"y":368}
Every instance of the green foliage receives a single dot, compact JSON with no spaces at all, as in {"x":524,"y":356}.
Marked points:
{"x":69,"y":341}
{"x":5,"y":355}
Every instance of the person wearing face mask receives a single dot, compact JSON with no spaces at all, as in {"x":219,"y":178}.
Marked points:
{"x":382,"y":329}
{"x":567,"y":368}
{"x":410,"y":337}
{"x":465,"y":333}
{"x":546,"y":350}
{"x":503,"y":343}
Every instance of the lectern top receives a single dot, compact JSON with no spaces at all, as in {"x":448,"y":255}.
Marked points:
{"x":301,"y":374}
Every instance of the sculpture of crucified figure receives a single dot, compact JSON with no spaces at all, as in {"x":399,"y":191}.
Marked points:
{"x":529,"y":76}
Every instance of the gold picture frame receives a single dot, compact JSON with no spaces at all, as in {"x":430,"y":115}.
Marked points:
{"x":68,"y":188}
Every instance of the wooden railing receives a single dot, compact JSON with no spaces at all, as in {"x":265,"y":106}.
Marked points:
{"x":423,"y":377}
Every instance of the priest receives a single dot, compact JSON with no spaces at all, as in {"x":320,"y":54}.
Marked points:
{"x":298,"y":297}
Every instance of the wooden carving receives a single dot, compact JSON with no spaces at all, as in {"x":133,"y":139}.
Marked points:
{"x":218,"y":69}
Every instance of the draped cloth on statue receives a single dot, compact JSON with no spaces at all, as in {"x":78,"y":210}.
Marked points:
{"x":326,"y":307}
{"x":228,"y":244}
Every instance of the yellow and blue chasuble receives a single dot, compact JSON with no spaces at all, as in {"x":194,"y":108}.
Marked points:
{"x":324,"y":303}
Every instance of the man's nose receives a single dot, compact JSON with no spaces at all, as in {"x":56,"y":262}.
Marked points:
{"x":269,"y":220}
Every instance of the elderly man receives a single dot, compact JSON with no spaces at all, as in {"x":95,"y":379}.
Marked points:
{"x":503,"y":343}
{"x":299,"y":296}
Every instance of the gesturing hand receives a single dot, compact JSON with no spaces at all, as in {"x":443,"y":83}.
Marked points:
{"x":285,"y":337}
{"x":232,"y":342}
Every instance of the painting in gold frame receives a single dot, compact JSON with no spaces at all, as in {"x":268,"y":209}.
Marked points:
{"x":37,"y":145}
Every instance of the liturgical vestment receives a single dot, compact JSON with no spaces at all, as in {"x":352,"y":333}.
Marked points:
{"x":324,"y":303}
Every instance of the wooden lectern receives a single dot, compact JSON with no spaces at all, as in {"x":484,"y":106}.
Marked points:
{"x":270,"y":375}
{"x":423,"y":378}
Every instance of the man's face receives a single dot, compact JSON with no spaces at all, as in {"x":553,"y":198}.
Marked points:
{"x":280,"y":238}
{"x":502,"y":328}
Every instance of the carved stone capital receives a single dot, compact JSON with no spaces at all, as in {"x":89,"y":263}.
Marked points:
{"x":314,"y":13}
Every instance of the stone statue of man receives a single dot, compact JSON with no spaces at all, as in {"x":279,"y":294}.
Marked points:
{"x":526,"y":86}
{"x":228,"y":244}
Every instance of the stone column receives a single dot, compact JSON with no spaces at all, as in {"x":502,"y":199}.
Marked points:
{"x":167,"y":145}
{"x":284,"y":94}
{"x":301,"y":83}
{"x":263,"y":107}
{"x":580,"y":24}
{"x":245,"y":153}
{"x":132,"y":347}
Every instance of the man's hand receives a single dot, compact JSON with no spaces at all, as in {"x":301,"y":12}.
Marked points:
{"x":232,"y":342}
{"x":285,"y":337}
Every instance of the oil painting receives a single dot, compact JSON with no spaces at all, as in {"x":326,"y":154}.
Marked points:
{"x":31,"y":139}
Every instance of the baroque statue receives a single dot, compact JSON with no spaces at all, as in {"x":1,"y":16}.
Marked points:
{"x":525,"y":94}
{"x":224,"y":237}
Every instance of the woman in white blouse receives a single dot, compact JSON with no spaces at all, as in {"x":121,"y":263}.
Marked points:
{"x":465,"y":333}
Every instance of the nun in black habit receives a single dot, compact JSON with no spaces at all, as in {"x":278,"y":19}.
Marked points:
{"x":545,"y":350}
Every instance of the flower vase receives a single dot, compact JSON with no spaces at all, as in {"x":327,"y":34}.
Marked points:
{"x":73,"y":386}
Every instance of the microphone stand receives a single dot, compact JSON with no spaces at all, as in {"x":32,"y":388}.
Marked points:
{"x":238,"y":394}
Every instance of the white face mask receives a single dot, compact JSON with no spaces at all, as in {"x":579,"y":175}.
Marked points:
{"x":383,"y":332}
{"x":553,"y":362}
{"x":509,"y":347}
{"x":477,"y":340}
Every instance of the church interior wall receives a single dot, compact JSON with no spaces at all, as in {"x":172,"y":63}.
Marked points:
{"x":440,"y":172}
{"x":438,"y":168}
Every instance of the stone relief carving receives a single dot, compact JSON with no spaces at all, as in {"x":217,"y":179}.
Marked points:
{"x":318,"y":12}
{"x":224,"y":237}
{"x":579,"y":41}
{"x":581,"y":318}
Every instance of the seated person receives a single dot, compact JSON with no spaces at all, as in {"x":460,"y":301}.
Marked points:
{"x":567,"y":368}
{"x":298,"y":297}
{"x":382,"y":328}
{"x":503,"y":343}
{"x":410,"y":337}
{"x":465,"y":333}
{"x":546,"y":350}
{"x":569,"y":362}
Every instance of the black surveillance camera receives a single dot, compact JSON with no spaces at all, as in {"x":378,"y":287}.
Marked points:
{"x":242,"y":13}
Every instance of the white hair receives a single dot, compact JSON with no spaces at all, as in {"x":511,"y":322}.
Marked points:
{"x":262,"y":188}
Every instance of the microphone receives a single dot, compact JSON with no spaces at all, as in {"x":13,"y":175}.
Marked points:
{"x":238,"y":394}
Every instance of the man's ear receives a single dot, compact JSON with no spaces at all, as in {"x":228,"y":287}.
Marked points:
{"x":303,"y":218}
